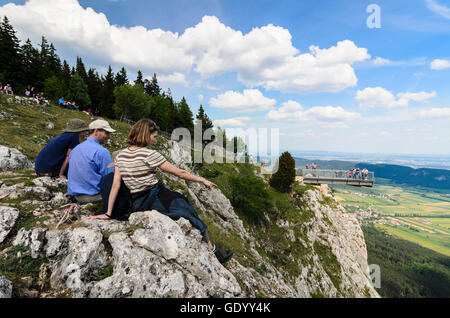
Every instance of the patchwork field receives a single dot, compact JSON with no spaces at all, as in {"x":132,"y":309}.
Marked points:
{"x":418,"y":215}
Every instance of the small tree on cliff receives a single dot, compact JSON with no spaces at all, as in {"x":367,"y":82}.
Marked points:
{"x":283,"y":179}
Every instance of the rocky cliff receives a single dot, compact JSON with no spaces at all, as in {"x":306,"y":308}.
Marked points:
{"x":319,"y":253}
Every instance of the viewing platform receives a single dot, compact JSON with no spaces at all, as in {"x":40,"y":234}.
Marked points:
{"x":317,"y":177}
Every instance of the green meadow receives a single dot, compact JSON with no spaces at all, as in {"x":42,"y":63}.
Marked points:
{"x":415,"y":214}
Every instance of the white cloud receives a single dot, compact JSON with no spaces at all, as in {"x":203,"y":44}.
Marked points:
{"x":175,"y":78}
{"x":418,"y":97}
{"x":200,"y":97}
{"x":435,"y":113}
{"x":289,"y":110}
{"x":438,"y":8}
{"x":231,"y":122}
{"x":385,"y":133}
{"x":440,"y":64}
{"x":263,"y":57}
{"x":326,"y":116}
{"x":380,"y":97}
{"x":380,"y":61}
{"x":250,"y":100}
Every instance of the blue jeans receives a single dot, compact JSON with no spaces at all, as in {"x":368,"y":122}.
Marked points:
{"x":169,"y":203}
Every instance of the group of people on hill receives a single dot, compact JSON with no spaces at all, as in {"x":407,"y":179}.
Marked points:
{"x":67,"y":104}
{"x":73,"y":106}
{"x":357,"y":173}
{"x":126,"y":181}
{"x":7,"y":89}
{"x":37,"y":97}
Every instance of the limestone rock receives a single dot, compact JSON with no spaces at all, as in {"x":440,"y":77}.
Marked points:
{"x":50,"y":182}
{"x":33,"y":239}
{"x":158,"y":260}
{"x":5,"y":288}
{"x":8,"y":217}
{"x":11,"y":158}
{"x":75,"y":255}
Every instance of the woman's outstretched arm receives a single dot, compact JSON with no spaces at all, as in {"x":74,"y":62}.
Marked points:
{"x":183,"y":174}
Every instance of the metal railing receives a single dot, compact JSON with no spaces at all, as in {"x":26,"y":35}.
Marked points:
{"x":335,"y":175}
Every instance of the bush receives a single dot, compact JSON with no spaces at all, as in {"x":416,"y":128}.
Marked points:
{"x":250,"y":197}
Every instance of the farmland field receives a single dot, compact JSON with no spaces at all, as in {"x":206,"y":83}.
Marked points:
{"x":416,"y":214}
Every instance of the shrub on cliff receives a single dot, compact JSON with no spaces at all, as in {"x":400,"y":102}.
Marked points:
{"x":283,"y":179}
{"x":250,"y":197}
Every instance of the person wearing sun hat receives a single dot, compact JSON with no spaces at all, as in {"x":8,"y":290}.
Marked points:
{"x":89,"y":162}
{"x":53,"y":160}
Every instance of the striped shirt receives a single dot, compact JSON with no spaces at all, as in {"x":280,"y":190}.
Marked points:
{"x":138,"y":168}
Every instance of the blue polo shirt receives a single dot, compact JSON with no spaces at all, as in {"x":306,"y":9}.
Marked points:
{"x":88,"y":163}
{"x":51,"y":158}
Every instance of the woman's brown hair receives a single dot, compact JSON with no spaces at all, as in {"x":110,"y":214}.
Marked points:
{"x":141,"y":132}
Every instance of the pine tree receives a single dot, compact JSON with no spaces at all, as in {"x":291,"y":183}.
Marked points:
{"x":107,"y":95}
{"x":54,"y":65}
{"x":186,"y":115}
{"x":10,"y":65}
{"x":139,"y":79}
{"x":66,"y":73}
{"x":121,"y":78}
{"x":45,"y":62}
{"x":81,"y":70}
{"x":206,"y":122}
{"x":283,"y":179}
{"x":94,"y":84}
{"x":31,"y":63}
{"x":151,"y":87}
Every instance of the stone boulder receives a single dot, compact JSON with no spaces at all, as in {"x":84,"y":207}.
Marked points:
{"x":164,"y":258}
{"x":75,"y":255}
{"x":5,"y":288}
{"x":8,"y":217}
{"x":33,"y":239}
{"x":11,"y":158}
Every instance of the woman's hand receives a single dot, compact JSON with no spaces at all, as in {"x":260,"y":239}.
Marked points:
{"x":208,"y":184}
{"x":99,"y":217}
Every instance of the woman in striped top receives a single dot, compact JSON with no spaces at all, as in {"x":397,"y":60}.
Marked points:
{"x":136,"y":166}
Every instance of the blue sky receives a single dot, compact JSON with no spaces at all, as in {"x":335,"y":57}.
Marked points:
{"x":313,"y":69}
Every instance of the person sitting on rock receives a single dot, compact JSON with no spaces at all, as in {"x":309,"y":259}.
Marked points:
{"x":53,"y":160}
{"x":88,"y":163}
{"x":136,"y":167}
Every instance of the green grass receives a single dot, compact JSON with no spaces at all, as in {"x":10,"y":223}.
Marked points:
{"x":19,"y":264}
{"x":28,"y":132}
{"x":330,"y":263}
{"x":434,"y":242}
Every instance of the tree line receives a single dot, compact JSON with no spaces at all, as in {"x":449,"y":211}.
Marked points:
{"x":112,"y":94}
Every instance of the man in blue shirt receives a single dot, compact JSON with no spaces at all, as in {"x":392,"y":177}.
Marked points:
{"x":62,"y":102}
{"x":53,"y":160}
{"x":88,"y":163}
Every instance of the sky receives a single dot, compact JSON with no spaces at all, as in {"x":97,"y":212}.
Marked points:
{"x":331,"y":75}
